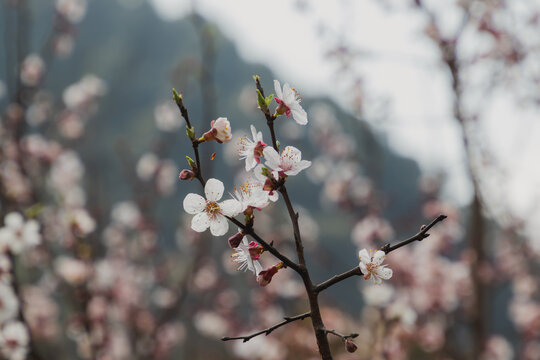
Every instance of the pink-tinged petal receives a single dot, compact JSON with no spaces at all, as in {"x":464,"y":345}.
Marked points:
{"x":200,"y":222}
{"x":213,"y":189}
{"x":364,"y":257}
{"x":219,"y":225}
{"x":194,"y":203}
{"x":299,"y":114}
{"x":385,"y":273}
{"x":379,"y":257}
{"x":272,"y":157}
{"x":230,"y":207}
{"x":363,"y":268}
{"x":14,"y":220}
{"x":277,"y":88}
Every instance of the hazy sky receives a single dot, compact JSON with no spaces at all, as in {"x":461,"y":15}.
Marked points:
{"x":293,"y":37}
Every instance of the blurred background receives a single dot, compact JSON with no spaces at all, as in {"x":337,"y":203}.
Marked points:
{"x":415,"y":108}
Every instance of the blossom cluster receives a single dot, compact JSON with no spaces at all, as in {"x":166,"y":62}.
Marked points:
{"x":16,"y":236}
{"x":261,"y":187}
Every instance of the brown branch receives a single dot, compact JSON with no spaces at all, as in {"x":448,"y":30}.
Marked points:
{"x":178,"y":99}
{"x":418,"y":237}
{"x":270,"y":329}
{"x":316,"y":317}
{"x":386,"y":248}
{"x":296,"y":228}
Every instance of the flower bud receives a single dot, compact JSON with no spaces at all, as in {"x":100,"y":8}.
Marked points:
{"x":235,"y":240}
{"x":265,"y":276}
{"x":186,"y":175}
{"x":350,"y":346}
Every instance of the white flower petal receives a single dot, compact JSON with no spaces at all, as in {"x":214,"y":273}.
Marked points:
{"x":253,"y":132}
{"x":379,"y":257}
{"x":14,"y":220}
{"x":219,"y":226}
{"x":194,"y":203}
{"x":272,"y":157}
{"x":258,"y":267}
{"x":304,"y":164}
{"x":250,"y":163}
{"x":213,"y":189}
{"x":289,"y":95}
{"x":385,"y":273}
{"x":277,"y":88}
{"x":364,"y":257}
{"x":299,"y":114}
{"x":200,"y":222}
{"x":230,"y":207}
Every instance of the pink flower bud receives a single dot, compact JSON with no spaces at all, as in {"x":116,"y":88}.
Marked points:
{"x":350,"y":346}
{"x":235,"y":240}
{"x":186,"y":174}
{"x":265,"y":276}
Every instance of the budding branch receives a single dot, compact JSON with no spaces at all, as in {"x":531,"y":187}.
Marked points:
{"x":270,"y":329}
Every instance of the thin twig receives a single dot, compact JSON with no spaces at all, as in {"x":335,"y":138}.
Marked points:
{"x":418,"y":237}
{"x":178,"y":99}
{"x":267,"y":331}
{"x":343,"y":337}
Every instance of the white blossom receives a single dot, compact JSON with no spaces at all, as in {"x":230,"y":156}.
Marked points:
{"x":208,"y":212}
{"x":288,"y":97}
{"x":372,"y":268}
{"x":14,"y":340}
{"x":242,"y":256}
{"x":251,"y":195}
{"x":289,"y":162}
{"x":9,"y":305}
{"x":252,"y":150}
{"x":17,"y":234}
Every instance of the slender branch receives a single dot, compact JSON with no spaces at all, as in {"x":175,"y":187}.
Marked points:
{"x":343,"y":337}
{"x":418,"y":237}
{"x":386,"y":248}
{"x":286,"y":321}
{"x":355,"y":271}
{"x":178,"y":99}
{"x":296,"y":229}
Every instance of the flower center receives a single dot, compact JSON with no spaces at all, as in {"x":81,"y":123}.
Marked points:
{"x":212,"y":209}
